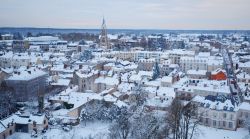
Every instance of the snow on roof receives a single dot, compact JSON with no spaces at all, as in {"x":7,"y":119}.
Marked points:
{"x":112,"y":36}
{"x":66,"y":75}
{"x":83,"y":74}
{"x":27,"y":74}
{"x":244,"y":106}
{"x":244,"y":65}
{"x":61,"y":82}
{"x":68,"y":90}
{"x":42,"y":38}
{"x":125,"y":87}
{"x":109,"y":98}
{"x":243,"y":75}
{"x":131,"y":67}
{"x":214,"y":61}
{"x":145,"y":73}
{"x":120,"y":104}
{"x":161,"y":91}
{"x":197,"y":72}
{"x":181,"y":52}
{"x":153,"y":83}
{"x":212,"y":86}
{"x":76,"y":98}
{"x":167,"y":79}
{"x":117,"y":94}
{"x":216,"y":105}
{"x":166,"y":91}
{"x":217,"y":71}
{"x":7,"y":70}
{"x":159,"y":102}
{"x":150,"y":60}
{"x":107,"y":80}
{"x":124,"y":62}
{"x":107,"y":91}
{"x":23,"y":120}
{"x":125,"y":76}
{"x":204,"y":54}
{"x":60,"y":112}
{"x":135,"y":78}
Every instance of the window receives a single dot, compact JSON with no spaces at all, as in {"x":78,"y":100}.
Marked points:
{"x":215,"y":114}
{"x":201,"y":120}
{"x":224,"y":123}
{"x":214,"y":123}
{"x":224,"y":115}
{"x":241,"y":114}
{"x":230,"y":125}
{"x":232,"y":116}
{"x":246,"y":115}
{"x":206,"y":121}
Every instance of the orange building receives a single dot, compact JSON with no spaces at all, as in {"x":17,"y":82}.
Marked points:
{"x":218,"y":74}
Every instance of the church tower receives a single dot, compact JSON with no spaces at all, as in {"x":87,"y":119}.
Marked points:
{"x":104,"y":42}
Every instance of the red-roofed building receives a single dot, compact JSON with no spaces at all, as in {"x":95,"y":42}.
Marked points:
{"x":218,"y":74}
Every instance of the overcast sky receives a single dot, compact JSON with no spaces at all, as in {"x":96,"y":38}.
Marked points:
{"x":127,"y":14}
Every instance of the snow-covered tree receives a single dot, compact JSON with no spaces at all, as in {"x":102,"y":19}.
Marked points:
{"x":121,"y":128}
{"x":138,"y":97}
{"x":156,"y":71}
{"x":100,"y":110}
{"x":114,"y":112}
{"x":145,"y":126}
{"x":85,"y":116}
{"x":86,"y":55}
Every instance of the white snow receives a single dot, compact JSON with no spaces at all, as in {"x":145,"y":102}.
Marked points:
{"x":212,"y":133}
{"x":97,"y":130}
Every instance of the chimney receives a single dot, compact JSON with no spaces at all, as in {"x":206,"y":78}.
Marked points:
{"x":80,"y":66}
{"x":65,"y":66}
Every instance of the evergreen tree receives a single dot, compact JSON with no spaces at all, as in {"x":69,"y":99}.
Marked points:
{"x":29,"y":34}
{"x":156,"y":71}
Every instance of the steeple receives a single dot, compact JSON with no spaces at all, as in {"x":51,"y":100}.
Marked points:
{"x":104,"y":42}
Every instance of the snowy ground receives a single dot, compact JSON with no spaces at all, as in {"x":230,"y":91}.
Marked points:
{"x":96,"y":130}
{"x":99,"y":130}
{"x":212,"y":133}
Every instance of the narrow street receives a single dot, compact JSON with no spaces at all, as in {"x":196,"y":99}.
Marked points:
{"x":231,"y":76}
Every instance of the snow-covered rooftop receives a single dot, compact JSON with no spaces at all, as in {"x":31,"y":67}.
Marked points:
{"x":27,"y":74}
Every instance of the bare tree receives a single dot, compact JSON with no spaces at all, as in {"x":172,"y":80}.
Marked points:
{"x":181,"y":120}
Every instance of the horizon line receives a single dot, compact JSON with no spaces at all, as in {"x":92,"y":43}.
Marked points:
{"x":64,"y":28}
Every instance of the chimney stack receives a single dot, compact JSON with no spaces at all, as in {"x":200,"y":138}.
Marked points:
{"x":80,"y":66}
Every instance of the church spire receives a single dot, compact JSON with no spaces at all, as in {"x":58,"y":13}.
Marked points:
{"x":104,"y":42}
